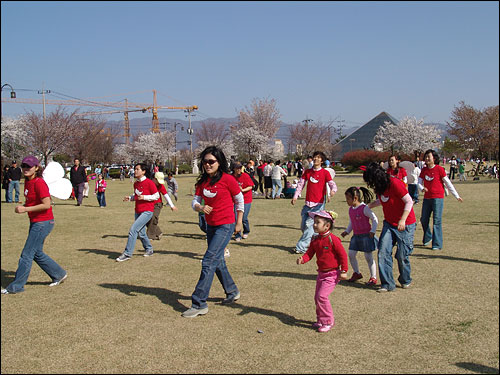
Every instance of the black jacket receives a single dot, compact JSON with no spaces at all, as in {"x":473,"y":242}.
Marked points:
{"x":78,"y":176}
{"x":15,"y":173}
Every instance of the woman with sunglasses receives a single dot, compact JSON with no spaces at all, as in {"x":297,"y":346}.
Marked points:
{"x":39,"y":211}
{"x":220,"y":192}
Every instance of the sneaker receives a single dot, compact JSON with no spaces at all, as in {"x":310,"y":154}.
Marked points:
{"x":406,"y":286}
{"x":325,"y":328}
{"x":148,"y":253}
{"x":5,"y":291}
{"x":227,"y":254}
{"x":436,"y":248}
{"x":372,"y":281}
{"x":123,"y":258}
{"x":55,"y":283}
{"x":298,"y":252}
{"x":383,"y":290}
{"x":193,"y":312}
{"x":355,"y":276}
{"x":245,"y":236}
{"x":229,"y":300}
{"x":237,"y":239}
{"x":427,"y":243}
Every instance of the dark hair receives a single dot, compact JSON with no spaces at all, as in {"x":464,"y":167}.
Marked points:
{"x":145,"y":168}
{"x":377,"y":178}
{"x":221,"y":159}
{"x":434,"y":153}
{"x":363,"y":194}
{"x":323,"y":156}
{"x":329,"y":221}
{"x":169,"y":174}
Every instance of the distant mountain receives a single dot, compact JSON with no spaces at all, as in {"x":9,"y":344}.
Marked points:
{"x":143,"y":125}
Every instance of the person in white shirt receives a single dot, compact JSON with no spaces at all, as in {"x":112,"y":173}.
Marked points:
{"x":276,"y":174}
{"x":268,"y":184}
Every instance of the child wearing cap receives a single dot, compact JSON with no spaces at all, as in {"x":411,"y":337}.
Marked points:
{"x":39,"y":211}
{"x":331,"y":259}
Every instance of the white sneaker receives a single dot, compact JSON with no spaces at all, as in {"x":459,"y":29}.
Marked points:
{"x":5,"y":291}
{"x":55,"y":283}
{"x":245,"y":236}
{"x":227,"y":254}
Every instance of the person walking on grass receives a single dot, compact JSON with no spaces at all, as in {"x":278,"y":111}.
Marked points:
{"x":398,"y":228}
{"x":276,"y":174}
{"x":363,"y":239}
{"x":39,"y":209}
{"x":246,"y":185}
{"x":331,"y":259}
{"x":172,"y":185}
{"x":153,"y":230}
{"x":145,"y":195}
{"x":431,"y":181}
{"x":220,"y":191}
{"x":100,"y":190}
{"x":316,"y":178}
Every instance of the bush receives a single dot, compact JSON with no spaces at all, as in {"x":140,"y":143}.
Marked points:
{"x":354,"y":159}
{"x":185,"y":168}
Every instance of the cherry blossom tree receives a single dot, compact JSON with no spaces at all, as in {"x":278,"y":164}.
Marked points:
{"x":410,"y":136}
{"x":13,"y":136}
{"x":155,"y":146}
{"x":214,"y":134}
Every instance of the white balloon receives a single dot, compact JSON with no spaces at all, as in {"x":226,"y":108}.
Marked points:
{"x":53,"y":172}
{"x":408,"y":165}
{"x":61,"y":188}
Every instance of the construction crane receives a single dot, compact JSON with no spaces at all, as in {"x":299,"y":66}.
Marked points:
{"x":119,"y":108}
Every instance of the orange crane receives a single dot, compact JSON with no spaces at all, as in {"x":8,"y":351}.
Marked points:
{"x":119,"y":108}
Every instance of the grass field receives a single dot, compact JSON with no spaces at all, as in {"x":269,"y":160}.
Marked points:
{"x":111,"y":317}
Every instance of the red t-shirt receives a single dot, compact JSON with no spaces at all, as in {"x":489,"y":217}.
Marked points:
{"x":146,"y":187}
{"x":244,"y":181}
{"x":393,"y":205}
{"x":316,"y":184}
{"x":433,"y":181}
{"x":34,"y":191}
{"x":330,"y":252}
{"x":162,"y":191}
{"x":400,"y":175}
{"x":220,"y":198}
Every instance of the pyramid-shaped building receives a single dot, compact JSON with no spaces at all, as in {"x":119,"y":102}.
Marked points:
{"x":362,"y":139}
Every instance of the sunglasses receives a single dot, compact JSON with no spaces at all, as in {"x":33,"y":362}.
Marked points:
{"x":26,"y":166}
{"x":210,"y":161}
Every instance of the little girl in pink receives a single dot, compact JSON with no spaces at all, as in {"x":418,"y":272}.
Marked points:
{"x":331,"y":259}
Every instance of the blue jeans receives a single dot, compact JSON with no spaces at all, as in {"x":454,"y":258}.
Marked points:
{"x":403,"y":240}
{"x":14,"y":184}
{"x":139,"y":228}
{"x":101,"y":198}
{"x":246,"y":224}
{"x":202,"y":222}
{"x":276,"y":188}
{"x":33,"y":251}
{"x":434,"y":206}
{"x":307,"y":227}
{"x":413,"y":190}
{"x":213,"y":263}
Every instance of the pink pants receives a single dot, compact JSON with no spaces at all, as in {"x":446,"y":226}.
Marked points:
{"x":325,"y":283}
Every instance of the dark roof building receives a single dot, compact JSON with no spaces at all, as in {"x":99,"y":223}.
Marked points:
{"x":362,"y":139}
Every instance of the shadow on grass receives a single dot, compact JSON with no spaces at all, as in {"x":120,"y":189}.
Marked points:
{"x":484,"y":223}
{"x":480,"y":369}
{"x":8,"y":276}
{"x":278,"y":226}
{"x":191,"y":236}
{"x":183,"y":222}
{"x":115,"y":235}
{"x":109,"y":254}
{"x":437,"y":255}
{"x":247,"y":244}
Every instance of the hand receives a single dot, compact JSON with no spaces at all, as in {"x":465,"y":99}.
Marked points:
{"x":300,"y":260}
{"x":20,"y":209}
{"x":173,"y":208}
{"x":140,"y":197}
{"x":206,"y":209}
{"x":238,"y":227}
{"x":293,"y":201}
{"x":343,"y":234}
{"x":371,"y":234}
{"x":425,"y":190}
{"x":343,"y":276}
{"x":126,"y":199}
{"x":460,"y":199}
{"x":95,"y":193}
{"x":401,"y":225}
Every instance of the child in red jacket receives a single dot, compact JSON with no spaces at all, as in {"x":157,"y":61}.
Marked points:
{"x":331,"y":259}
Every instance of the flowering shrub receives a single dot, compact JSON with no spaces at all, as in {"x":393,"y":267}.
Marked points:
{"x":354,"y":159}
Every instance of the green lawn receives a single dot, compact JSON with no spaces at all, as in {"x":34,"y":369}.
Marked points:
{"x":111,"y":317}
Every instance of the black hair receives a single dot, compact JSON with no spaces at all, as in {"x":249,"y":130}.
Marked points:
{"x":434,"y":153}
{"x":321,"y":154}
{"x":169,"y":174}
{"x":329,"y":221}
{"x":397,"y":162}
{"x":362,"y":193}
{"x":221,"y":159}
{"x":145,"y":168}
{"x":377,"y":178}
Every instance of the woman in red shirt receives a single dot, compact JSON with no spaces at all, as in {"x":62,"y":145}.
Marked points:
{"x":395,"y":170}
{"x":246,"y":185}
{"x":39,"y":210}
{"x":220,"y":192}
{"x":145,"y":195}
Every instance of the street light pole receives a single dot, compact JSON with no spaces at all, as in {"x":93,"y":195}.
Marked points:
{"x":12,"y":95}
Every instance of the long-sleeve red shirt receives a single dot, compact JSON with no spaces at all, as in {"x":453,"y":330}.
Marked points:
{"x":330,"y":252}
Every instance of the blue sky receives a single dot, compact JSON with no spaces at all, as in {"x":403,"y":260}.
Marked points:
{"x":320,"y":60}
